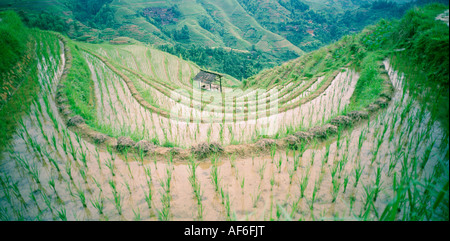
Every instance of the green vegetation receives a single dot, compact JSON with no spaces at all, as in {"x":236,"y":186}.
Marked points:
{"x":18,"y":76}
{"x":239,"y":64}
{"x":314,"y":24}
{"x":258,"y":40}
{"x":13,"y":41}
{"x":392,"y":167}
{"x":79,"y":86}
{"x":419,"y":47}
{"x":44,"y":20}
{"x":370,"y":84}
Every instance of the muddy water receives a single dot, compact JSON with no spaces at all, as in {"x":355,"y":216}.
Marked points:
{"x":256,"y":187}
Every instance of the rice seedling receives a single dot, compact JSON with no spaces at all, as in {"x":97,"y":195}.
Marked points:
{"x":378,"y":183}
{"x":304,"y":181}
{"x":215,"y":177}
{"x":262,"y":169}
{"x":406,"y":110}
{"x":166,"y":196}
{"x":242,"y":184}
{"x":148,"y":195}
{"x":47,"y":201}
{"x":272,"y":181}
{"x":64,"y":145}
{"x":163,"y":214}
{"x":200,"y":211}
{"x":327,"y":154}
{"x":427,"y":154}
{"x":5,"y":188}
{"x":117,"y":197}
{"x":52,"y":184}
{"x":82,"y":197}
{"x":73,"y":150}
{"x":35,"y":173}
{"x":273,"y":150}
{"x":54,"y":143}
{"x":52,"y":161}
{"x":208,"y":135}
{"x":69,"y":170}
{"x":394,"y":121}
{"x":291,"y":173}
{"x":118,"y":202}
{"x":333,"y":170}
{"x":130,"y":172}
{"x":62,"y":214}
{"x":361,"y":140}
{"x":18,"y":195}
{"x":196,"y":186}
{"x":279,"y":163}
{"x":111,"y":166}
{"x":230,"y":216}
{"x":257,"y":197}
{"x":339,"y":136}
{"x":4,"y":214}
{"x":83,"y":158}
{"x":358,"y":172}
{"x":375,"y":151}
{"x":335,"y":189}
{"x":98,"y":203}
{"x":392,"y":163}
{"x":83,"y":174}
{"x":137,"y":215}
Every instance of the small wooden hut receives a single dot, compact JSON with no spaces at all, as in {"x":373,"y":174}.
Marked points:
{"x":207,"y":78}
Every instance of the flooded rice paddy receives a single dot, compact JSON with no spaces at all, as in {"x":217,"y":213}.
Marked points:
{"x":49,"y":172}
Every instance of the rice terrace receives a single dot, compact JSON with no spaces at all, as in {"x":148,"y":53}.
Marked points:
{"x":117,"y":118}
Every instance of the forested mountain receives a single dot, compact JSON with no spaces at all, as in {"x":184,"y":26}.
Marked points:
{"x":238,"y":37}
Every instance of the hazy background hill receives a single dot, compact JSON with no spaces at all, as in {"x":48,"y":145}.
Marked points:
{"x":237,"y":37}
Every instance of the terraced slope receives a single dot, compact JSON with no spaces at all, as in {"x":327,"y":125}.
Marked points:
{"x":148,"y":95}
{"x":229,"y":24}
{"x":368,"y":163}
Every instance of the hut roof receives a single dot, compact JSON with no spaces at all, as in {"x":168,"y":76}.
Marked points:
{"x":207,"y":76}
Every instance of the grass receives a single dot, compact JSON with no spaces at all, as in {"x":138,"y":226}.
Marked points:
{"x":20,"y":103}
{"x":370,"y":84}
{"x":196,"y":187}
{"x":78,"y":86}
{"x":98,"y":203}
{"x":215,"y":174}
{"x":82,"y":196}
{"x":12,"y":44}
{"x":425,"y":60}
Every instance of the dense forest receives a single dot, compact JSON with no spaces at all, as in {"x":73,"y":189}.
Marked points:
{"x":303,"y":26}
{"x":241,"y":65}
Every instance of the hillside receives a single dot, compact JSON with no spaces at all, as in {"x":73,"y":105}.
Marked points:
{"x":237,"y":37}
{"x":210,"y":23}
{"x":356,"y":130}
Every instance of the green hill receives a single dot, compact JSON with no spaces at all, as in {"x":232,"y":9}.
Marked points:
{"x":238,"y":37}
{"x":15,"y":54}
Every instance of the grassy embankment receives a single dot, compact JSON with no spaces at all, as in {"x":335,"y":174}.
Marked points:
{"x":418,"y":46}
{"x":18,"y":72}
